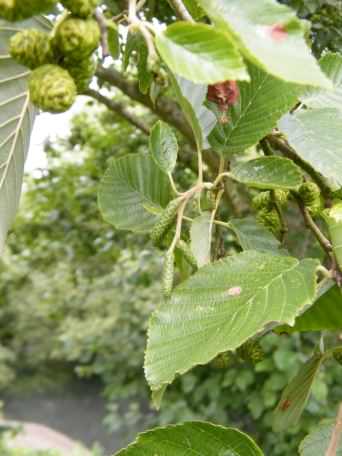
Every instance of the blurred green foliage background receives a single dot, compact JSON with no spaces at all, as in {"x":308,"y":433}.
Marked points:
{"x":76,"y":297}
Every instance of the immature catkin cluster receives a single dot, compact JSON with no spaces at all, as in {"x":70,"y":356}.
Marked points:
{"x":270,"y":219}
{"x":18,"y":10}
{"x":310,"y":194}
{"x":251,"y":351}
{"x":262,"y":201}
{"x":165,"y":221}
{"x":223,"y":360}
{"x":337,"y":354}
{"x":63,"y":60}
{"x":265,"y":203}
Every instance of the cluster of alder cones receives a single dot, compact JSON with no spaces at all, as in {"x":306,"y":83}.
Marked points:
{"x":61,"y":61}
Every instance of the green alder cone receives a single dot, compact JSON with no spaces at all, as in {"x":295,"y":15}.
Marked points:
{"x":52,"y":88}
{"x":76,"y":39}
{"x":281,"y":197}
{"x":31,"y":48}
{"x":165,"y":221}
{"x":168,"y":273}
{"x":251,"y":351}
{"x":270,"y":220}
{"x":337,"y":354}
{"x":333,"y":219}
{"x":222,"y":361}
{"x":310,"y":194}
{"x":18,"y":10}
{"x":187,"y":253}
{"x":262,"y":200}
{"x":80,"y":8}
{"x":82,"y":73}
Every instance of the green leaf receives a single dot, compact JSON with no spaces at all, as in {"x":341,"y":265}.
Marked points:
{"x":133,"y":43}
{"x":16,"y":122}
{"x":145,"y":75}
{"x":194,"y":9}
{"x":191,"y":97}
{"x":324,"y":315}
{"x":331,"y":64}
{"x":200,"y":53}
{"x":261,"y":104}
{"x":316,"y":137}
{"x":133,"y":192}
{"x":317,"y":442}
{"x":253,"y":236}
{"x":164,"y":147}
{"x":269,"y":173}
{"x":271,"y":35}
{"x":200,"y":235}
{"x":195,"y":438}
{"x":223,"y":305}
{"x":296,"y":394}
{"x":113,"y":39}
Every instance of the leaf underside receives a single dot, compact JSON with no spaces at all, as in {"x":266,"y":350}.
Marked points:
{"x":317,"y":442}
{"x":269,"y":173}
{"x":164,"y":147}
{"x":316,"y":137}
{"x":133,"y":192}
{"x":253,"y":236}
{"x":191,"y":98}
{"x":200,"y":235}
{"x":296,"y":394}
{"x":270,"y":35}
{"x":331,"y":64}
{"x":16,"y":122}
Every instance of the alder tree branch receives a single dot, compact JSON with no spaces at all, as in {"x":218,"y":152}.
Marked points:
{"x":104,"y":32}
{"x":287,"y":150}
{"x":164,"y":108}
{"x":336,"y":435}
{"x":187,"y":156}
{"x":181,"y":10}
{"x":169,"y":111}
{"x":311,"y":225}
{"x":120,"y":109}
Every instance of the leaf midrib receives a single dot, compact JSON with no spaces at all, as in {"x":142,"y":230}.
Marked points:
{"x":14,"y":142}
{"x":248,"y":302}
{"x":246,"y":110}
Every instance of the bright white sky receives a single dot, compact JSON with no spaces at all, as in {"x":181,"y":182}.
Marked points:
{"x":49,"y":126}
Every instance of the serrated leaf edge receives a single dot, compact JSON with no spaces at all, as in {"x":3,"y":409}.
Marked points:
{"x":181,"y":425}
{"x":267,"y":326}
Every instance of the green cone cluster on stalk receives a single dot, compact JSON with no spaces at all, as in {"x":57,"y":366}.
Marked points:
{"x":62,"y":61}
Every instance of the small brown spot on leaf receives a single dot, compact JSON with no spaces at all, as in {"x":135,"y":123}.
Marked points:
{"x":285,"y":405}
